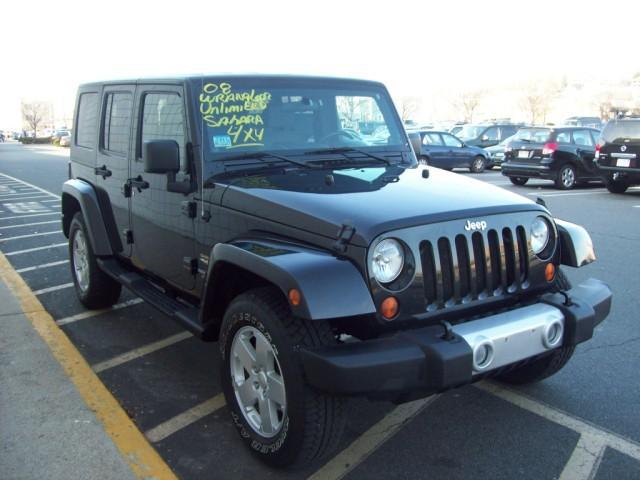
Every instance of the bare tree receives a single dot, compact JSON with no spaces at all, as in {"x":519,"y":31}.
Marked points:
{"x":408,"y":106}
{"x":468,"y":102}
{"x":33,"y":113}
{"x":537,"y":100}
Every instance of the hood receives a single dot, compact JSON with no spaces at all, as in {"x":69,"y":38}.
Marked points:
{"x":373,"y":200}
{"x":495,"y":149}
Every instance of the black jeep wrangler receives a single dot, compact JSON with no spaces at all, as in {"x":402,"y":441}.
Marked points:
{"x":324,"y":261}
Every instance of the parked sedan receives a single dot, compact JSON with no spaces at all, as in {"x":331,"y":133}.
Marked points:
{"x":443,"y":150}
{"x":564,"y":155}
{"x":65,"y":139}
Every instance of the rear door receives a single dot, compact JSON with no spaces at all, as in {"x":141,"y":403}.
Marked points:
{"x":585,"y":150}
{"x":163,"y":231}
{"x":114,"y":157}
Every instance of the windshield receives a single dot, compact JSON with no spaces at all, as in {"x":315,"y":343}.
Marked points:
{"x":622,"y":131}
{"x":469,"y":132}
{"x":534,"y":135}
{"x":294,"y":115}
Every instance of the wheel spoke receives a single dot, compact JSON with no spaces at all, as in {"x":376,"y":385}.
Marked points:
{"x":247,"y":394}
{"x":264,"y":355}
{"x":246,"y":354}
{"x":268,"y":416}
{"x":276,"y":391}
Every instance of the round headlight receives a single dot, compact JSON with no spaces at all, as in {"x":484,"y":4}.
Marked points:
{"x":539,"y":235}
{"x":387,"y":260}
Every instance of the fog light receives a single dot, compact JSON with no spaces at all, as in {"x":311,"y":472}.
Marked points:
{"x":389,"y":308}
{"x":482,"y":355}
{"x":553,"y":335}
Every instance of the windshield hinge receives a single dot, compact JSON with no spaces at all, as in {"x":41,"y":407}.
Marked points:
{"x":345,"y":235}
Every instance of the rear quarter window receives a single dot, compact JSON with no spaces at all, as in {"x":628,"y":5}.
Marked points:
{"x":87,"y":124}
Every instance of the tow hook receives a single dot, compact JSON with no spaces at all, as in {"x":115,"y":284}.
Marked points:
{"x":448,"y":331}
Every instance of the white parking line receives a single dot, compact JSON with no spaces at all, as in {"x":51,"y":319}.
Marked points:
{"x":185,"y":419}
{"x":140,"y":352}
{"x":585,"y":459}
{"x":33,"y":197}
{"x":18,"y":194}
{"x":29,"y":215}
{"x":52,"y":289}
{"x":44,"y":265}
{"x":29,"y":185}
{"x":568,"y":194}
{"x":49,"y":201}
{"x":31,"y":235}
{"x":30,"y":224}
{"x":636,"y":206}
{"x":371,"y":440}
{"x":613,"y":440}
{"x":36,"y":249}
{"x":94,"y":313}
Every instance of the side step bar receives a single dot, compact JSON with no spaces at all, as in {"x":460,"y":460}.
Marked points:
{"x":186,"y":315}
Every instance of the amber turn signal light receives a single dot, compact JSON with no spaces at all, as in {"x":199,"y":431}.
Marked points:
{"x":295,"y":297}
{"x":389,"y":308}
{"x":550,"y":272}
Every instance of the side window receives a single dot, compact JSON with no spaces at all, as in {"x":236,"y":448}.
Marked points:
{"x":582,"y":137}
{"x":163,"y":119}
{"x":596,"y":136}
{"x":87,"y":123}
{"x":434,"y":139}
{"x":451,"y":141}
{"x":563,"y":137}
{"x":116,"y":122}
{"x":491,"y":134}
{"x":507,"y":132}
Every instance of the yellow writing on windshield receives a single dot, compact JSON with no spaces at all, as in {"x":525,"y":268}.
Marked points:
{"x":240,"y":112}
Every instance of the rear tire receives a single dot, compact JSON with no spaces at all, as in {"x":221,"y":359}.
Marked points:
{"x":616,"y":186}
{"x":548,"y":365}
{"x":566,"y":178}
{"x":477,"y":164}
{"x":519,"y":180}
{"x":310,"y":423}
{"x":95,"y":288}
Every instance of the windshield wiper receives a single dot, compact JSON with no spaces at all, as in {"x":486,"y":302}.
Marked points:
{"x":345,"y":150}
{"x":262,"y":156}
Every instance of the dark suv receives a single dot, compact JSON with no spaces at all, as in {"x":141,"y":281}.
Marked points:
{"x":486,"y":135}
{"x":564,"y":155}
{"x":326,"y":263}
{"x":618,"y":154}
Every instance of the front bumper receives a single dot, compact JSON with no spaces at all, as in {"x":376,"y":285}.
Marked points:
{"x":511,"y":169}
{"x":414,"y":363}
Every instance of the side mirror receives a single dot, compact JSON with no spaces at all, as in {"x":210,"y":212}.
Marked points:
{"x":161,"y":156}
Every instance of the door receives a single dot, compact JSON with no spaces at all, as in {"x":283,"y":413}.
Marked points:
{"x":490,"y":137}
{"x":163,"y":232}
{"x":115,"y":154}
{"x":460,"y":157}
{"x":433,"y":148}
{"x":586,"y":151}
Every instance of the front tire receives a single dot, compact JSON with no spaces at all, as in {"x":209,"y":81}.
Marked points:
{"x":94,"y":288}
{"x":281,"y":419}
{"x":478,"y":164}
{"x":548,"y":365}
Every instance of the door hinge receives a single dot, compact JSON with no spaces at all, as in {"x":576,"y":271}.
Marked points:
{"x":190,"y":209}
{"x":126,"y":190}
{"x":345,"y":235}
{"x":191,"y":264}
{"x":128,"y":235}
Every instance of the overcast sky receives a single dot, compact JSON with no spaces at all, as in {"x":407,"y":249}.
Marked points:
{"x":416,"y":48}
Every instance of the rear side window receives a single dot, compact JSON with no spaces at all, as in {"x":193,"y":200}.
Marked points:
{"x":87,"y":120}
{"x":163,"y":119}
{"x":622,"y":131}
{"x":117,"y":122}
{"x":432,"y":139}
{"x":582,"y":137}
{"x":563,"y":137}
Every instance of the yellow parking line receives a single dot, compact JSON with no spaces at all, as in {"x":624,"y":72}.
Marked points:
{"x":143,"y":460}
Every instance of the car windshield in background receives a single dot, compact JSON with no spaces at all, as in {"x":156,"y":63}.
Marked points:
{"x":247,"y":115}
{"x":470,"y":131}
{"x":533,"y":135}
{"x":622,"y":131}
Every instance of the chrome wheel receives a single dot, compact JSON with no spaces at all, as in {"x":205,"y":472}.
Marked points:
{"x":257,"y":381}
{"x":81,"y":260}
{"x":478,"y":165}
{"x":567,"y":177}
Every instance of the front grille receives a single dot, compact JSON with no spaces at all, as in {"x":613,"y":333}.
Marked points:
{"x":474,"y":266}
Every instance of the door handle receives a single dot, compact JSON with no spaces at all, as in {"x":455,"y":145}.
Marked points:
{"x":103,"y":171}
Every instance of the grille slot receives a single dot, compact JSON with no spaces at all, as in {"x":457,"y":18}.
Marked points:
{"x":474,"y":267}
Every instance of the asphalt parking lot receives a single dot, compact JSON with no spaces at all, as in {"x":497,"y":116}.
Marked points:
{"x":582,"y":423}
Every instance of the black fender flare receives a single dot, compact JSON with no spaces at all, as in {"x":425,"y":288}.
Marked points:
{"x":331,"y":287}
{"x":86,"y":196}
